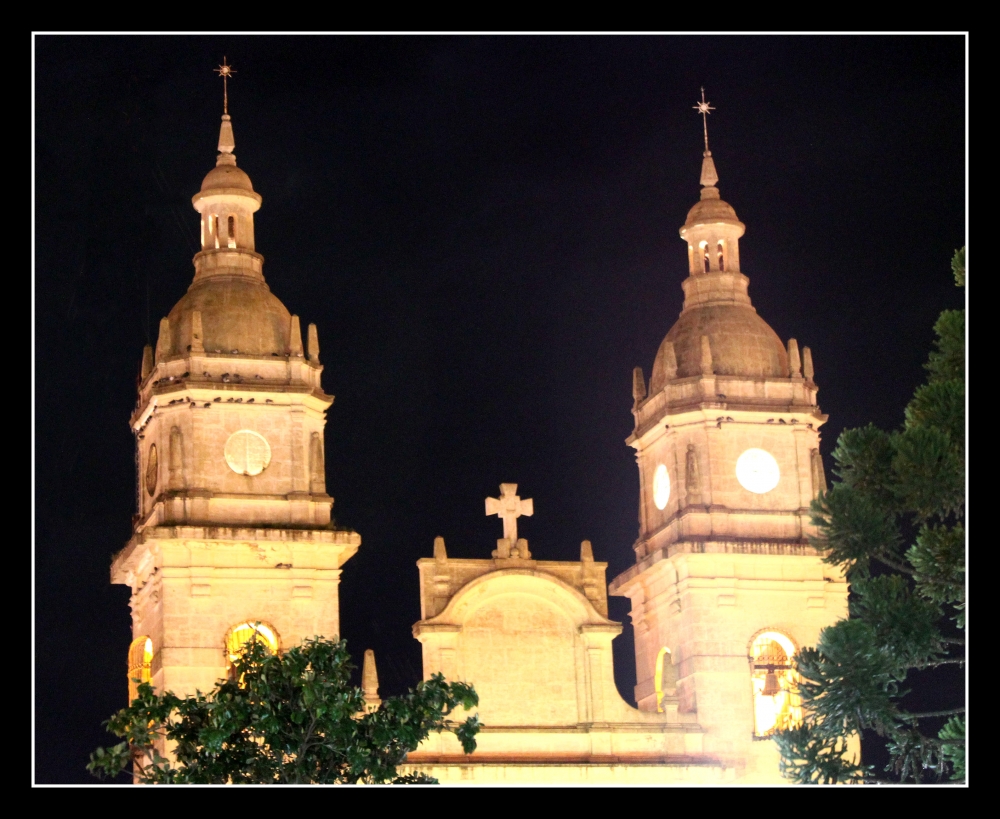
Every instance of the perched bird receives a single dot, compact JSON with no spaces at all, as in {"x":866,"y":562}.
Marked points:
{"x":728,"y":418}
{"x":782,"y":421}
{"x":225,"y":378}
{"x":770,"y":420}
{"x":249,"y":400}
{"x":269,"y":401}
{"x":207,"y":374}
{"x":216,"y":400}
{"x":207,"y":406}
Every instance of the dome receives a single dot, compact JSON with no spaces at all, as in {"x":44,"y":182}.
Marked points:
{"x":226,"y":176}
{"x":237,"y":313}
{"x":707,"y":211}
{"x":742,"y":344}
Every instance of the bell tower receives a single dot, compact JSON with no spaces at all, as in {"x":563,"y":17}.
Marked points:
{"x":726,"y":587}
{"x":233,"y":525}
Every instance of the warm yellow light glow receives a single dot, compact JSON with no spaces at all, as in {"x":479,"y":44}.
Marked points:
{"x":757,"y":471}
{"x":140,"y":665}
{"x":242,"y":634}
{"x":771,"y":653}
{"x":247,"y":452}
{"x":661,"y":487}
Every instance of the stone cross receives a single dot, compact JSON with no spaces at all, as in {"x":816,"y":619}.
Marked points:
{"x":509,"y":507}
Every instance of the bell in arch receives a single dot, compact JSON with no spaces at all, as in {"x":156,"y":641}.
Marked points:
{"x":771,"y":686}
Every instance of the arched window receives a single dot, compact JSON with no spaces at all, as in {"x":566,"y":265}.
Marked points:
{"x":665,"y":677}
{"x":703,"y":246}
{"x":721,"y":254}
{"x":232,"y":231}
{"x":140,"y":665}
{"x":215,"y":231}
{"x":242,"y":634}
{"x":775,"y":705}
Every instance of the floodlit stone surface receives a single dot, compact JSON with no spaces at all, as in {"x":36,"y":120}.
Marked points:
{"x":233,"y":528}
{"x":233,"y":521}
{"x":735,"y":423}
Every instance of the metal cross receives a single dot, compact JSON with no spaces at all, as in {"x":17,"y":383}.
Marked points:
{"x":225,"y":71}
{"x":704,"y":109}
{"x":509,"y":507}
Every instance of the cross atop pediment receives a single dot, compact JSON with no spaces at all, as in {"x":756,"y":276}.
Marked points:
{"x":509,"y":507}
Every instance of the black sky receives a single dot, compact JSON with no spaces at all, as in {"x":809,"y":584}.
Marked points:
{"x":484,"y":230}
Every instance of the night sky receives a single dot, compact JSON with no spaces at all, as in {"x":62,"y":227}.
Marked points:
{"x":484,"y":230}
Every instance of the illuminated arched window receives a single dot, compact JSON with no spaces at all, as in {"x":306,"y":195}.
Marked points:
{"x":140,"y":665}
{"x":703,"y":247}
{"x":242,"y":634}
{"x":721,"y":252}
{"x":775,"y":705}
{"x":232,"y":231}
{"x":665,"y":677}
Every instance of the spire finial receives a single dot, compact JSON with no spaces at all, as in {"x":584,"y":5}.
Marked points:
{"x":704,"y":108}
{"x":226,"y":71}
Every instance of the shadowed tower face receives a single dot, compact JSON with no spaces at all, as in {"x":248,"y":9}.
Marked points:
{"x":233,"y":532}
{"x":727,"y":447}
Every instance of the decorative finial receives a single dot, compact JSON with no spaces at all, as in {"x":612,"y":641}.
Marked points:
{"x":704,"y":108}
{"x":226,"y":71}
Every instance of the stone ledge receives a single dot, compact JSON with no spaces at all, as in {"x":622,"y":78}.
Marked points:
{"x":710,"y":545}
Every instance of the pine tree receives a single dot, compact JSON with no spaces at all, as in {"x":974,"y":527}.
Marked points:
{"x":895,"y":522}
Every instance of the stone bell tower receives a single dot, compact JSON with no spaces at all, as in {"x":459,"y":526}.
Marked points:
{"x":726,"y":586}
{"x":233,"y":525}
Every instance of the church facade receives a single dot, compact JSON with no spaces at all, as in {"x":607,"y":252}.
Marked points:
{"x":233,"y":531}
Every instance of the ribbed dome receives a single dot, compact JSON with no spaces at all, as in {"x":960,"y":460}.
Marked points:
{"x":237,"y":313}
{"x":742,"y":344}
{"x":226,"y":176}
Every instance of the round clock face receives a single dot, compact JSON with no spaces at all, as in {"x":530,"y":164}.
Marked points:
{"x":757,"y":471}
{"x":151,"y":470}
{"x":247,"y":452}
{"x":661,"y":487}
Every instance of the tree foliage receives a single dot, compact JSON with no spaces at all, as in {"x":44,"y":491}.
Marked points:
{"x":287,"y":718}
{"x":895,"y":522}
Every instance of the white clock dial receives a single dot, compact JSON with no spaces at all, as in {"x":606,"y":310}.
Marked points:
{"x":661,"y":487}
{"x":757,"y":471}
{"x":247,"y":452}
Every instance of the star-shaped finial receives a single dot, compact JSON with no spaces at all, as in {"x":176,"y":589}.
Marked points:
{"x":226,"y":72}
{"x":704,"y":108}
